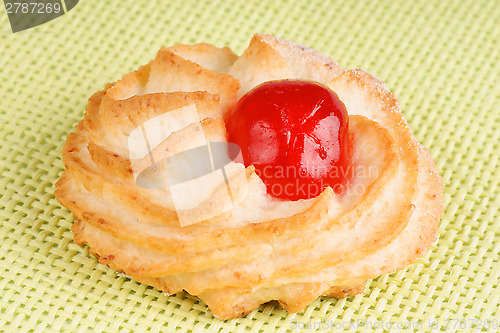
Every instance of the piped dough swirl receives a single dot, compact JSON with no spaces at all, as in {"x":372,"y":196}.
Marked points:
{"x":260,"y":248}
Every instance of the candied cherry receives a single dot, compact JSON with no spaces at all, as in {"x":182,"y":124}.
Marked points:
{"x":295,"y":133}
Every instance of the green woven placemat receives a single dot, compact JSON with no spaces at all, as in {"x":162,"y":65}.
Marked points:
{"x":440,"y":58}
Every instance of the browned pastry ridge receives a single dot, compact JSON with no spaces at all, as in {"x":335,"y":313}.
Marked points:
{"x":261,"y":249}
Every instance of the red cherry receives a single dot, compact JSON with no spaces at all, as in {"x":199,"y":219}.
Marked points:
{"x":295,"y":133}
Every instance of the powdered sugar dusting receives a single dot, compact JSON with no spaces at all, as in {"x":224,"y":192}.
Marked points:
{"x":298,"y":51}
{"x":123,"y":275}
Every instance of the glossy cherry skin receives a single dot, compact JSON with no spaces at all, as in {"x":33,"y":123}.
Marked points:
{"x":295,"y":133}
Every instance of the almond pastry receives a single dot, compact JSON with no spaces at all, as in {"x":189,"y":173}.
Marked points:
{"x":218,"y":234}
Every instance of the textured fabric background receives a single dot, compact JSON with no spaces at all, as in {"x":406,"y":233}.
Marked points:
{"x":440,"y":58}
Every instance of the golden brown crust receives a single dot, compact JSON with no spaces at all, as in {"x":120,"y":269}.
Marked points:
{"x":247,"y":249}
